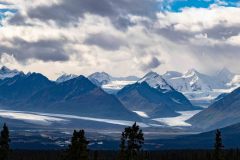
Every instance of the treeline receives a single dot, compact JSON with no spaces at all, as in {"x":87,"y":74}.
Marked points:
{"x":130,"y":148}
{"x":112,"y":155}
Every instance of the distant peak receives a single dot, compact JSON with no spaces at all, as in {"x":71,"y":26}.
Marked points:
{"x":191,"y":72}
{"x":225,"y":71}
{"x":225,"y":75}
{"x":5,"y":72}
{"x":35,"y":74}
{"x":155,"y":80}
{"x":151,"y":73}
{"x":5,"y":68}
{"x":80,"y":78}
{"x":100,"y":74}
{"x":65,"y":77}
{"x":100,"y":78}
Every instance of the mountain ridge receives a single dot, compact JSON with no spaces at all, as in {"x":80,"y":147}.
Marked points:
{"x":155,"y":99}
{"x":222,"y":113}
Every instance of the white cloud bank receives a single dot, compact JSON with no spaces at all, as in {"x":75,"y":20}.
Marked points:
{"x":108,"y":39}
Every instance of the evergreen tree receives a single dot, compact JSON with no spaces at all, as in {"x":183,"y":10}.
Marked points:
{"x":146,"y":155}
{"x":218,"y":146}
{"x":122,"y":154}
{"x":133,"y":137}
{"x":78,"y":149}
{"x":4,"y":143}
{"x":95,"y":155}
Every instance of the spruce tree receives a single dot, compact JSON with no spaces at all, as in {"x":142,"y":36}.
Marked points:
{"x":134,"y":139}
{"x":122,"y":154}
{"x":218,"y":146}
{"x":78,"y":149}
{"x":4,"y":143}
{"x":95,"y":155}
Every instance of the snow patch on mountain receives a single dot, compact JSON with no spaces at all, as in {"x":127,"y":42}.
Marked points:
{"x":179,"y":121}
{"x":111,"y":84}
{"x":116,"y":85}
{"x":8,"y":73}
{"x":235,"y":82}
{"x":65,"y":77}
{"x":154,"y":80}
{"x":30,"y":117}
{"x":202,"y":89}
{"x":47,"y":118}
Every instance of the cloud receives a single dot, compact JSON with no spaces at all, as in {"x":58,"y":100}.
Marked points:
{"x":105,"y":41}
{"x":154,"y":63}
{"x":199,"y":19}
{"x":81,"y":37}
{"x":46,"y":50}
{"x":209,"y":34}
{"x":71,"y":12}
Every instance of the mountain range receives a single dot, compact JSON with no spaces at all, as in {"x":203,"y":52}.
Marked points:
{"x":199,"y":88}
{"x":102,"y":101}
{"x":125,"y":98}
{"x":78,"y":96}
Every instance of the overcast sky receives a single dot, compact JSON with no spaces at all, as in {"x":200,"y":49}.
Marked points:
{"x":121,"y":37}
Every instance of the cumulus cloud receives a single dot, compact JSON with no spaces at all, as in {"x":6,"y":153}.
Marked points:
{"x":105,"y":41}
{"x":152,"y":64}
{"x":84,"y":36}
{"x":199,"y":19}
{"x":46,"y":50}
{"x":70,"y":12}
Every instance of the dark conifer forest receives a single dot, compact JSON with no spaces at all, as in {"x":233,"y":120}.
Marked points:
{"x":130,"y":148}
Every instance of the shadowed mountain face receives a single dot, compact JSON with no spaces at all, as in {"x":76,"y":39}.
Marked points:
{"x":222,"y":113}
{"x":21,"y":87}
{"x":78,"y":96}
{"x":155,"y":102}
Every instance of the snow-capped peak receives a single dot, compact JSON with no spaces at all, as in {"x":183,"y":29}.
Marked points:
{"x":109,"y":83}
{"x":100,"y":78}
{"x":8,"y":73}
{"x":191,"y":73}
{"x":192,"y":81}
{"x":156,"y":81}
{"x":65,"y":77}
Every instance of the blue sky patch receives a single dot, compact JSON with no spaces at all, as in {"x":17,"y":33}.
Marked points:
{"x":178,"y":5}
{"x":2,"y":11}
